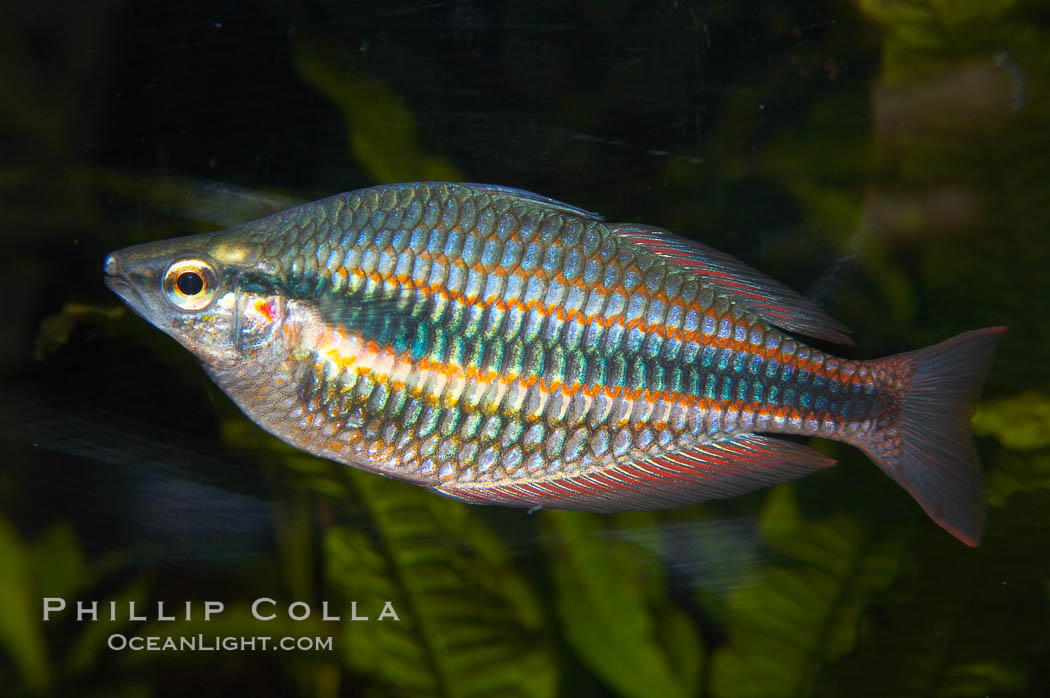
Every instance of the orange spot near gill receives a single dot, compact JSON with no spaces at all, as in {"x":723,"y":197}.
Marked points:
{"x":267,"y":309}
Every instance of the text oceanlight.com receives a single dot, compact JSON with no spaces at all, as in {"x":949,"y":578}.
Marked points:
{"x":202,"y":643}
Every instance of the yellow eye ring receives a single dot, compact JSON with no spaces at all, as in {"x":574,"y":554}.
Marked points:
{"x":191,"y":284}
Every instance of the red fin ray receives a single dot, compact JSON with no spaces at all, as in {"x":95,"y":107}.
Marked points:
{"x":766,"y":297}
{"x":710,"y":471}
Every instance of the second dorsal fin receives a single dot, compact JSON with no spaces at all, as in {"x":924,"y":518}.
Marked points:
{"x":762,"y":295}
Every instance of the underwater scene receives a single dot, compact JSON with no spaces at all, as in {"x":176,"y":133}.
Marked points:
{"x":565,"y":431}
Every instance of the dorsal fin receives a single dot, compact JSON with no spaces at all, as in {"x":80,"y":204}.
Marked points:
{"x":536,"y":199}
{"x":714,"y":470}
{"x":762,"y":295}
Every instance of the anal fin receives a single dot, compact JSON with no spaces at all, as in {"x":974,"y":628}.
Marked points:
{"x":716,"y":470}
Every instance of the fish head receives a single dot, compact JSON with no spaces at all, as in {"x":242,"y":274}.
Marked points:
{"x":198,"y":290}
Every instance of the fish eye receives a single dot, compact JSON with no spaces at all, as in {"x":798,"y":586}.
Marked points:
{"x":191,"y":284}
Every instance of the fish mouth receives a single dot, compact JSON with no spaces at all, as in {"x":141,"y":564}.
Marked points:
{"x":117,"y":283}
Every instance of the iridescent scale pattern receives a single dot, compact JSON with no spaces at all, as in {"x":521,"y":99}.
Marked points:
{"x":451,"y":334}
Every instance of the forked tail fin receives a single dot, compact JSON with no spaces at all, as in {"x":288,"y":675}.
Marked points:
{"x":929,"y":449}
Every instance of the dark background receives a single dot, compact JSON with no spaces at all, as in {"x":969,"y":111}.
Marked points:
{"x":889,"y":159}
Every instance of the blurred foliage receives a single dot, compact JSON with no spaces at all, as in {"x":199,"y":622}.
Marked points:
{"x":1020,"y":422}
{"x":466,"y":623}
{"x":55,"y":329}
{"x":1018,"y":473}
{"x":20,"y":634}
{"x":803,"y":611}
{"x":380,"y":128}
{"x":60,"y":653}
{"x":892,"y":156}
{"x":311,"y":673}
{"x":932,"y":638}
{"x":615,"y":612}
{"x":469,"y":624}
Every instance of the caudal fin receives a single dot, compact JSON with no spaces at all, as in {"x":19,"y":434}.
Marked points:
{"x":931,"y":453}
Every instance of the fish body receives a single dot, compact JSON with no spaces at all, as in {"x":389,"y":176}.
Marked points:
{"x":501,"y":347}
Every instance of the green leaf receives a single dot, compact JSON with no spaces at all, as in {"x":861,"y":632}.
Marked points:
{"x":21,"y":633}
{"x":380,"y":127}
{"x":982,"y":679}
{"x":312,"y":668}
{"x":1017,"y":472}
{"x":58,"y":563}
{"x":924,"y":33}
{"x":235,"y":621}
{"x":90,"y":644}
{"x":1020,"y":422}
{"x":467,"y":624}
{"x":55,"y":329}
{"x":926,"y":14}
{"x":619,"y":623}
{"x":959,"y":622}
{"x":803,"y":611}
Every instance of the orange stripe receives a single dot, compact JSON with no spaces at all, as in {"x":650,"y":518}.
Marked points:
{"x":660,"y":330}
{"x":686,"y":400}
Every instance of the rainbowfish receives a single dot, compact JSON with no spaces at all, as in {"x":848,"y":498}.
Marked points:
{"x":501,"y":347}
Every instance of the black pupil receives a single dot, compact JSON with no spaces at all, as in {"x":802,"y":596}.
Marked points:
{"x":190,"y":283}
